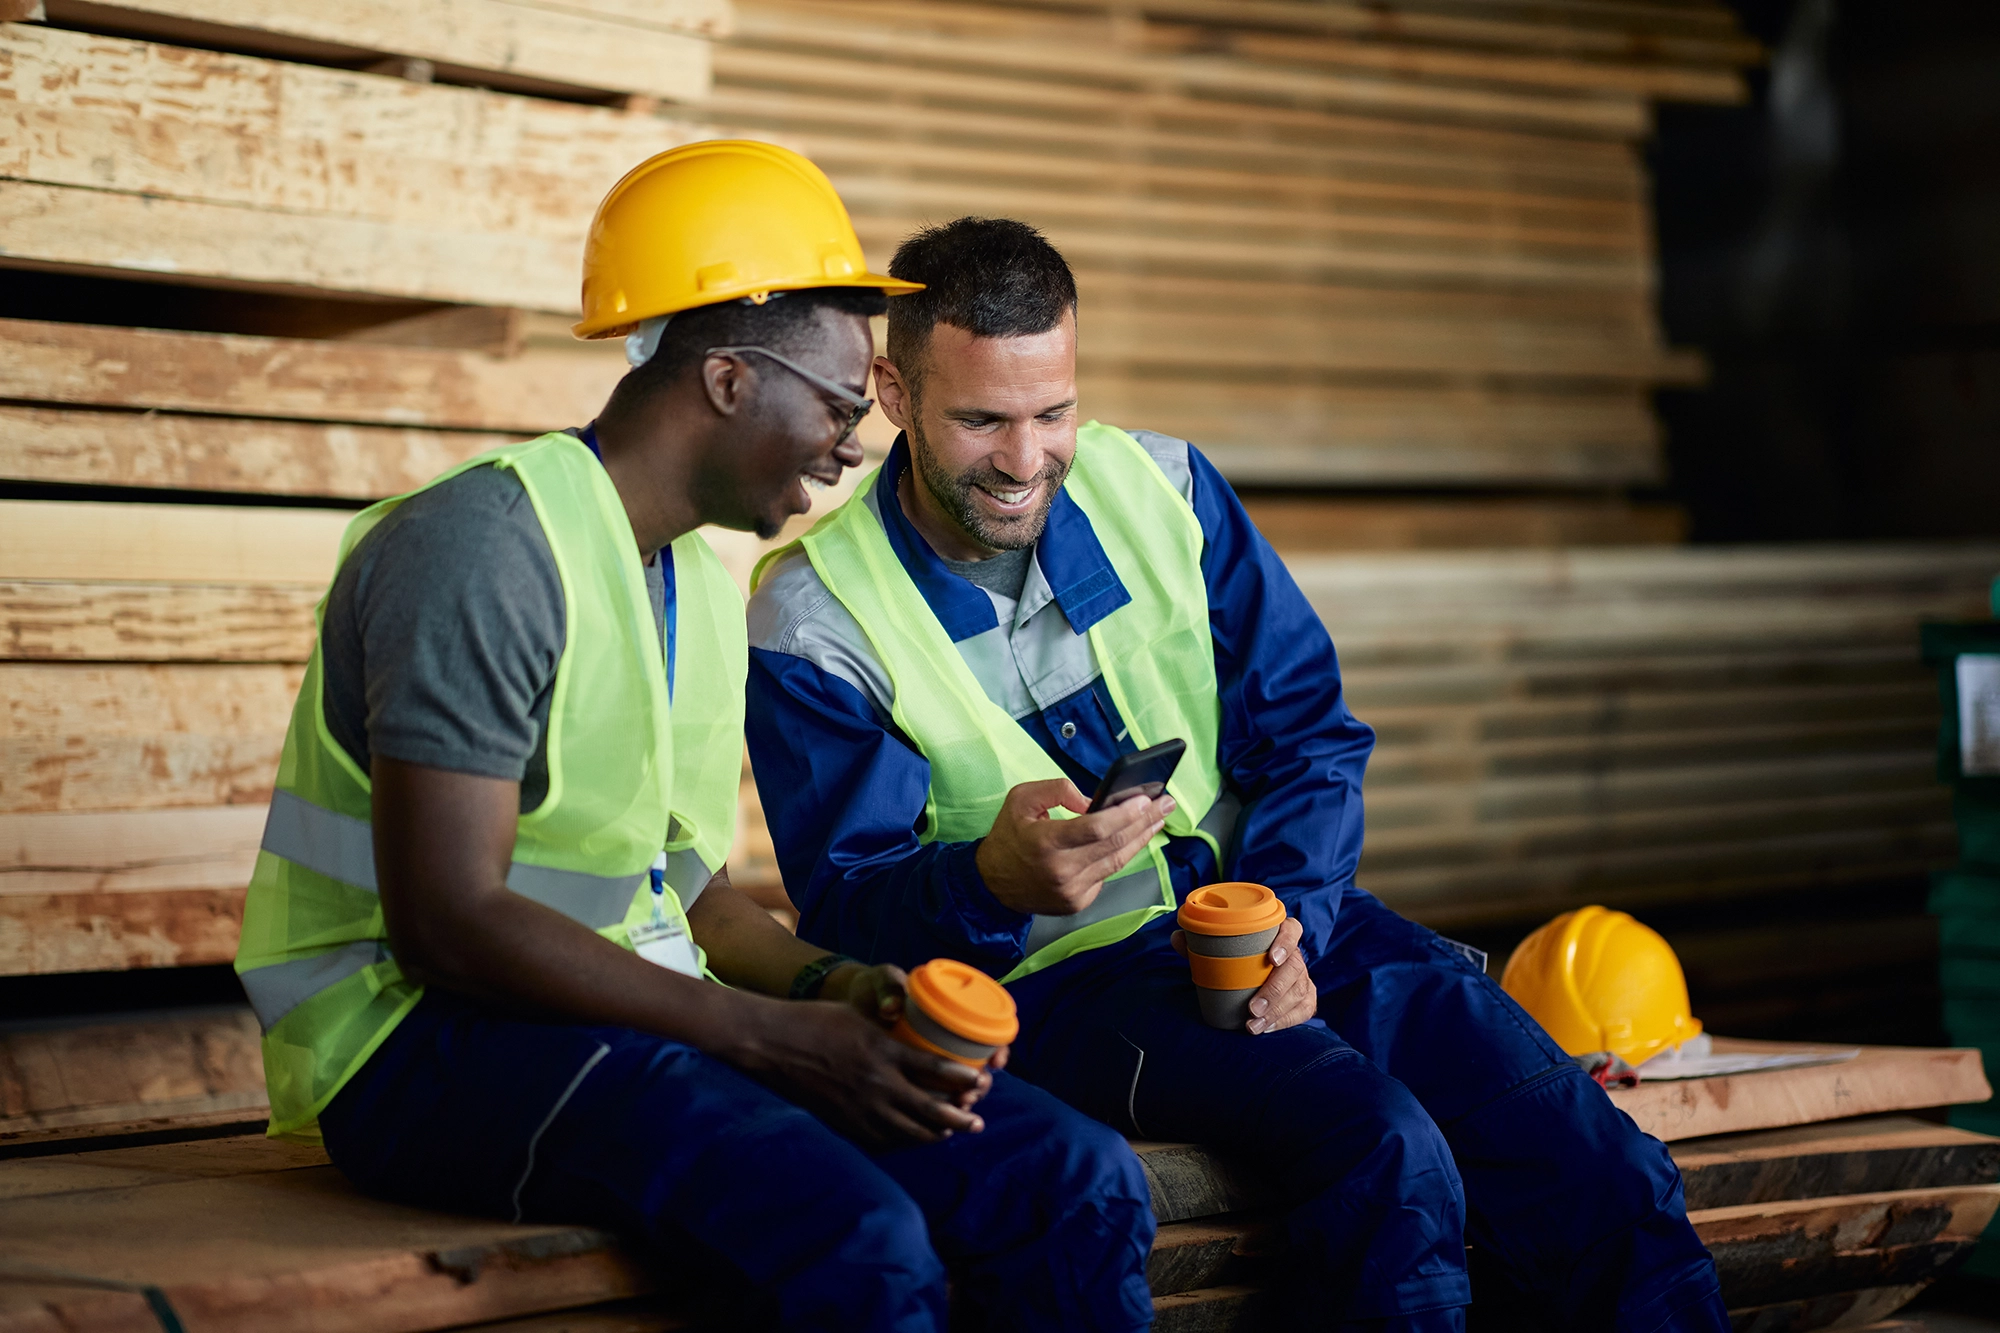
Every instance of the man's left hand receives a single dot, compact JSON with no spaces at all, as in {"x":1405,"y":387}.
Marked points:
{"x":879,"y":993}
{"x":1287,"y":997}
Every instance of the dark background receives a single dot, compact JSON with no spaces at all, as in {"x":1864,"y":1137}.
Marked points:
{"x":1834,"y":247}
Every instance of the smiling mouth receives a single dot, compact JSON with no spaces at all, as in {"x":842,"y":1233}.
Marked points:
{"x":1012,"y":498}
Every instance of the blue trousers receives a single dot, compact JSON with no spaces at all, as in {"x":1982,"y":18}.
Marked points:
{"x":1420,"y":1110}
{"x":1045,"y":1215}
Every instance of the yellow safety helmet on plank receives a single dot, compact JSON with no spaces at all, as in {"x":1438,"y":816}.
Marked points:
{"x":716,"y":221}
{"x":1598,"y":980}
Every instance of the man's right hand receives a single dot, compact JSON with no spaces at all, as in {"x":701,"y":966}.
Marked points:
{"x":842,"y":1067}
{"x":1055,"y":867}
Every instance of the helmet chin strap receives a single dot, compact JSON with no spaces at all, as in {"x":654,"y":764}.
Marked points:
{"x":642,"y":342}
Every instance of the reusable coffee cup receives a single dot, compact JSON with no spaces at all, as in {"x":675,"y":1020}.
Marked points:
{"x":958,"y":1012}
{"x":1229,"y":929}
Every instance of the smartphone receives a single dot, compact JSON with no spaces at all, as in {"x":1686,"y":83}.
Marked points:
{"x":1145,"y":771}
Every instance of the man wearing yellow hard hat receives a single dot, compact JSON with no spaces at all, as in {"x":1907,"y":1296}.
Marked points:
{"x":490,"y":911}
{"x":1020,"y":600}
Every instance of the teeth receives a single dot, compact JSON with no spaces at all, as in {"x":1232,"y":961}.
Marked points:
{"x":813,"y":484}
{"x":1011,"y":497}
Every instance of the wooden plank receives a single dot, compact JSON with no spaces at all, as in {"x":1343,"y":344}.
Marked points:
{"x":193,"y":1067}
{"x":99,"y":230}
{"x":114,"y":932}
{"x":1771,"y":1252}
{"x":110,"y":890}
{"x":1663,"y":82}
{"x":1187,"y":1182}
{"x":1237,"y":1309}
{"x":203,"y":544}
{"x":1220,"y":1252}
{"x":406,"y":189}
{"x":1319,"y":434}
{"x":156,"y":622}
{"x":1681,"y":35}
{"x":303,"y":1252}
{"x":129,"y":736}
{"x":898,"y":35}
{"x":91,"y":1168}
{"x":234,"y":375}
{"x":180,"y":452}
{"x":824,"y":105}
{"x":578,"y":46}
{"x":1703,"y":34}
{"x":1882,"y":1079}
{"x":1869,"y":1156}
{"x":1313,"y":523}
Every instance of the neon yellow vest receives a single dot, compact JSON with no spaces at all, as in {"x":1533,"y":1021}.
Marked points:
{"x":1155,"y":652}
{"x":629,"y":779}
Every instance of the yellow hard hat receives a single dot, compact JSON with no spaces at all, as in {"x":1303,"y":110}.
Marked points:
{"x":1598,"y":980}
{"x":715,"y":221}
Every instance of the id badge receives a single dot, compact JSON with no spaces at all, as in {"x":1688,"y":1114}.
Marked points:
{"x":668,"y":944}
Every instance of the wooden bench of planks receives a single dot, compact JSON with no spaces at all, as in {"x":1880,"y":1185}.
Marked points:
{"x":1811,"y":1223}
{"x":1846,"y":1221}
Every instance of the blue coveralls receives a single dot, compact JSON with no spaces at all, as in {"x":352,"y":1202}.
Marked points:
{"x":1045,"y":1215}
{"x":1421,"y":1108}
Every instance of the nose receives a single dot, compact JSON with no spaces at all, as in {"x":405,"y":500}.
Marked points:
{"x":1018,"y":453}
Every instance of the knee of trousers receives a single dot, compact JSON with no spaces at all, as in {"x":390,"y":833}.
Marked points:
{"x":881,"y":1229}
{"x":1388,"y":1205}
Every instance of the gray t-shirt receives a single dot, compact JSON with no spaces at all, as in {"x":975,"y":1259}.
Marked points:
{"x":443,"y":631}
{"x":1006,"y":573}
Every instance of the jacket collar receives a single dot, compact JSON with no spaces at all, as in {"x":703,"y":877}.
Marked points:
{"x":1070,"y":557}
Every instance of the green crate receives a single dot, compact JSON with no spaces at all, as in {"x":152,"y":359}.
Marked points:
{"x":1965,"y":895}
{"x":1971,"y":979}
{"x":1969,"y":937}
{"x":1977,"y":812}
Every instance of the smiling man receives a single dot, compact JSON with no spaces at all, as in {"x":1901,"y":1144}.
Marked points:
{"x":961,"y":651}
{"x":487,"y":925}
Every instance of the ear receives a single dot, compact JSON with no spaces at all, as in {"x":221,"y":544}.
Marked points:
{"x":727,"y":382}
{"x":898,"y":401}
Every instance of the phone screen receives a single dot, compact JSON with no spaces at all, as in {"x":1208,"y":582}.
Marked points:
{"x":1145,"y":772}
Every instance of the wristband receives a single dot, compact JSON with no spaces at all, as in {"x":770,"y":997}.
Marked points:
{"x":806,"y":985}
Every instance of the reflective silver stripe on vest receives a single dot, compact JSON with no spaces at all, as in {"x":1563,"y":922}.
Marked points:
{"x":278,"y":989}
{"x":1130,"y":892}
{"x":688,"y":874}
{"x":342,"y":847}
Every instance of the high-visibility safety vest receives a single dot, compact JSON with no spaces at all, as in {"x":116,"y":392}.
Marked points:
{"x":633,"y":784}
{"x":1155,"y":652}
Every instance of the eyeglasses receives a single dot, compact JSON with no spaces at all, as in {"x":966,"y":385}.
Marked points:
{"x":857,"y":406}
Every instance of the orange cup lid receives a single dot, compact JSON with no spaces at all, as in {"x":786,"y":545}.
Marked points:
{"x":966,"y":1001}
{"x":1230,"y":909}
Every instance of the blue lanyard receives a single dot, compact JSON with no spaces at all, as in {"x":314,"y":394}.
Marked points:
{"x":668,"y":602}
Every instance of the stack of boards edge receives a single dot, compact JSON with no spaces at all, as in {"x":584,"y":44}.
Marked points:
{"x":1822,"y":1225}
{"x":1405,"y":243}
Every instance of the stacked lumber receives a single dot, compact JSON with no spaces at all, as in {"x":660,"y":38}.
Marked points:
{"x":1812,"y":1225}
{"x":1642,"y":727}
{"x":1328,"y":242}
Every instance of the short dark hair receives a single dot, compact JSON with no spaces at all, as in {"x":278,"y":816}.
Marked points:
{"x":992,"y":277}
{"x":784,"y":324}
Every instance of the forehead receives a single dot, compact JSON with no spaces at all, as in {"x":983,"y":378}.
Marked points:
{"x":963,"y":368}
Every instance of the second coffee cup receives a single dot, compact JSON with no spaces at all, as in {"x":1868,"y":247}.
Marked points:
{"x":1229,"y":929}
{"x":958,"y":1012}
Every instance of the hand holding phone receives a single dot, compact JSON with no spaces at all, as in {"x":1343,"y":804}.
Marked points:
{"x":1143,"y":773}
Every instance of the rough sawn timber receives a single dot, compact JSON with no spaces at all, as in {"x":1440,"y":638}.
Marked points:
{"x":304,"y":379}
{"x":1880,"y":1079}
{"x":581,"y":44}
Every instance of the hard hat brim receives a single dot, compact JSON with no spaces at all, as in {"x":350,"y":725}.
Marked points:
{"x":590,"y":329}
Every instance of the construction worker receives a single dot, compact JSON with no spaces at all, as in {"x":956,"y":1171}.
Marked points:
{"x":965,"y":646}
{"x":489,"y":915}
